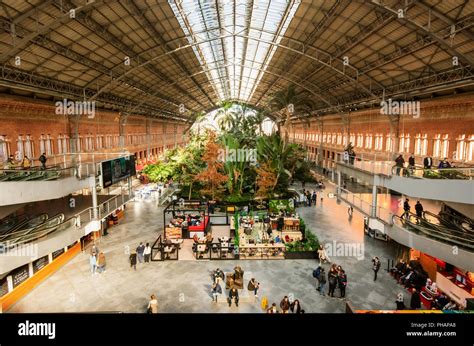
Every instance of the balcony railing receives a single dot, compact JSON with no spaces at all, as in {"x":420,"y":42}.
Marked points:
{"x":103,"y":210}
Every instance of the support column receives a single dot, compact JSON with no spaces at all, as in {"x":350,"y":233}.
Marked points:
{"x":130,"y":192}
{"x":95,"y":211}
{"x":122,"y":123}
{"x":374,"y":199}
{"x":394,"y":121}
{"x":148,"y":137}
{"x":338,"y":193}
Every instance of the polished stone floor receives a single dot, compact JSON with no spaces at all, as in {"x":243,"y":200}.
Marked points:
{"x":184,"y":286}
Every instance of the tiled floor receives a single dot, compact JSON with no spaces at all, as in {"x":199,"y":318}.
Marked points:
{"x":184,"y":286}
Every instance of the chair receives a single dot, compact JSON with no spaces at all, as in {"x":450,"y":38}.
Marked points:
{"x":201,"y":248}
{"x":224,"y":249}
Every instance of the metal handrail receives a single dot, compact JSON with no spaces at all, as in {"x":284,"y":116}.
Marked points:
{"x":461,"y":173}
{"x":441,"y":236}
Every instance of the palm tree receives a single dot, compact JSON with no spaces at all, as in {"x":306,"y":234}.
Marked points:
{"x":258,"y":118}
{"x":288,"y":104}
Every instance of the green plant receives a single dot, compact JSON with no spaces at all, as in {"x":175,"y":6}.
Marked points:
{"x":311,"y":243}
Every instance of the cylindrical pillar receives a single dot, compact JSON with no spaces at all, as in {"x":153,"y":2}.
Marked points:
{"x":374,"y":200}
{"x":95,"y":211}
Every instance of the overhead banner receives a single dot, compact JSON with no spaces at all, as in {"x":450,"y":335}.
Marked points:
{"x":116,"y":170}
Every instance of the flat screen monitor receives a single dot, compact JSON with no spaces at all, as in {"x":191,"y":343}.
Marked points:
{"x":118,"y":169}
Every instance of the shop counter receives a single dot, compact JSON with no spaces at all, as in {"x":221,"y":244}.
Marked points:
{"x":262,"y":251}
{"x":457,"y":293}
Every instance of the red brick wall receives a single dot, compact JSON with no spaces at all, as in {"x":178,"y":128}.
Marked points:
{"x":24,"y":116}
{"x":453,"y":116}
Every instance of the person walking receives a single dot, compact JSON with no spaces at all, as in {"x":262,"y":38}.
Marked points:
{"x":400,"y":302}
{"x":153,"y":305}
{"x":406,"y":208}
{"x":415,"y":302}
{"x":427,"y":162}
{"x":101,"y":263}
{"x":147,"y":252}
{"x":314,"y":197}
{"x":43,"y":160}
{"x":133,"y":260}
{"x":233,"y":294}
{"x":399,"y":162}
{"x":285,"y":305}
{"x":216,"y":289}
{"x":411,"y":164}
{"x":93,"y":263}
{"x":140,"y":251}
{"x":375,"y":266}
{"x":419,"y":209}
{"x":322,"y":281}
{"x":342,"y":281}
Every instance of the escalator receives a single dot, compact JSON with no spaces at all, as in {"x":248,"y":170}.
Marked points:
{"x":446,"y":220}
{"x":14,"y":238}
{"x":461,"y":221}
{"x":440,"y":233}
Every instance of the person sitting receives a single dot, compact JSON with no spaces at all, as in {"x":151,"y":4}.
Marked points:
{"x":195,"y":238}
{"x":277,"y":239}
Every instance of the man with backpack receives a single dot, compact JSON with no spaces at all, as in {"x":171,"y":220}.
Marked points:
{"x":321,"y":281}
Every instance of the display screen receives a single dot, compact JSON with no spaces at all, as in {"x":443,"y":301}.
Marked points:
{"x":3,"y":286}
{"x":19,"y":275}
{"x":40,"y":263}
{"x":116,"y":170}
{"x":57,"y":253}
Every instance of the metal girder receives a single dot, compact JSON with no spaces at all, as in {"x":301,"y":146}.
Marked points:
{"x":277,"y":34}
{"x":17,"y":79}
{"x":18,"y":47}
{"x":159,"y":39}
{"x":102,"y":31}
{"x":441,"y":81}
{"x":351,"y":41}
{"x":46,"y":43}
{"x":310,"y":40}
{"x":318,"y":57}
{"x":283,"y":76}
{"x":443,"y":17}
{"x":421,"y":28}
{"x":244,"y":51}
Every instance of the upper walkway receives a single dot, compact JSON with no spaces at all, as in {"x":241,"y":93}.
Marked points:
{"x":448,"y":184}
{"x":63,"y":175}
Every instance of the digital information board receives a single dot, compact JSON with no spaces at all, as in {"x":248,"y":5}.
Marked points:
{"x":116,"y":170}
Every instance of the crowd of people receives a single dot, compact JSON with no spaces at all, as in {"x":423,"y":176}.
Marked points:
{"x":142,"y":254}
{"x":24,"y":163}
{"x":336,"y":279}
{"x":427,"y":164}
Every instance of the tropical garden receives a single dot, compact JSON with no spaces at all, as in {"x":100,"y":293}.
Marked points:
{"x":204,"y":167}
